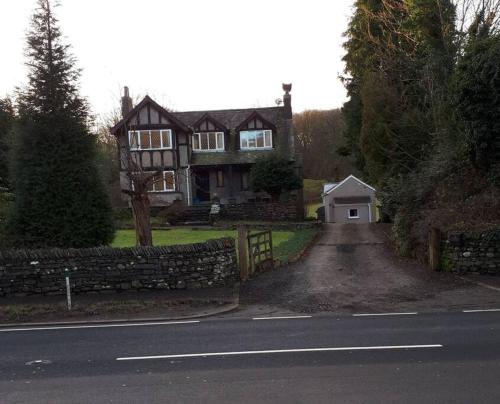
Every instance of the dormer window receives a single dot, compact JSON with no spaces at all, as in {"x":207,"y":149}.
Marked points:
{"x":256,"y":139}
{"x":208,"y":141}
{"x":150,"y":139}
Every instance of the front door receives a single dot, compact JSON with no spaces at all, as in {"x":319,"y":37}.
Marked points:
{"x":202,"y":183}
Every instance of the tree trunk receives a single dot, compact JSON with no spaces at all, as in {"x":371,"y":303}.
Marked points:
{"x":142,"y":222}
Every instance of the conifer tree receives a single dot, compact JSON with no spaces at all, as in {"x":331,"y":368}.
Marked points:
{"x":6,"y":121}
{"x":60,"y":200}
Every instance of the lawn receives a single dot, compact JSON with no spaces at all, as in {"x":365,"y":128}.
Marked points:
{"x":286,"y":243}
{"x":312,"y":196}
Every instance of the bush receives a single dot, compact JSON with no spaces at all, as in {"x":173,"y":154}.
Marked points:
{"x":274,"y":175}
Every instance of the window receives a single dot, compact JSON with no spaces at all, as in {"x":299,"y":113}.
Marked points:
{"x":256,"y":139}
{"x":244,"y":181}
{"x":208,"y":141}
{"x":150,"y":139}
{"x":220,"y":178}
{"x":353,"y":214}
{"x":164,"y":181}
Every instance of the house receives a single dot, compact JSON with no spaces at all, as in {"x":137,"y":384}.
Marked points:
{"x":203,"y":156}
{"x":349,"y":201}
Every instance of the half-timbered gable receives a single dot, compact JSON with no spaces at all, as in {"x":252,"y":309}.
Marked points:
{"x":255,"y":132}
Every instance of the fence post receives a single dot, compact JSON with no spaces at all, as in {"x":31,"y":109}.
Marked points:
{"x":68,"y":289}
{"x":242,"y":251}
{"x":271,"y":246}
{"x":434,"y":248}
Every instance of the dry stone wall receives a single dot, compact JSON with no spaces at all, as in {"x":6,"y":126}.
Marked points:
{"x":478,"y":253}
{"x":30,"y":272}
{"x":267,"y":211}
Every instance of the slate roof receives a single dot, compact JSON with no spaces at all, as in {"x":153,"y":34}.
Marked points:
{"x":227,"y":157}
{"x":230,"y":118}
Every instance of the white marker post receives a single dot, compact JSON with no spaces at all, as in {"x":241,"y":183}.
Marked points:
{"x":68,"y":289}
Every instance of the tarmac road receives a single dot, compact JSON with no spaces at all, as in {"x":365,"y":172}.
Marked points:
{"x":397,"y":357}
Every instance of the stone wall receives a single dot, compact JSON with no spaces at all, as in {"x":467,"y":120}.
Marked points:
{"x":115,"y":269}
{"x":478,"y":253}
{"x":269,"y":211}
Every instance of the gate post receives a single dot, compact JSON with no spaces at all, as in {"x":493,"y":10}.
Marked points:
{"x":243,"y":251}
{"x":434,"y":248}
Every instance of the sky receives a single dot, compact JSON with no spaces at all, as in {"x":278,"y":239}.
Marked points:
{"x":193,"y":54}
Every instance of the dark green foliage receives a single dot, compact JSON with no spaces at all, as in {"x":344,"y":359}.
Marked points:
{"x":60,"y":199}
{"x":274,"y":175}
{"x":7,"y":118}
{"x":424,"y":105}
{"x":476,"y":99}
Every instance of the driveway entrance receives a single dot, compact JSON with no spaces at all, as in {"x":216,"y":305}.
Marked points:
{"x":353,"y":269}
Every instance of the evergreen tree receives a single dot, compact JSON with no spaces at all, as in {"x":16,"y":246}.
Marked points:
{"x":6,"y":121}
{"x":60,"y":200}
{"x":476,"y":99}
{"x":274,"y":175}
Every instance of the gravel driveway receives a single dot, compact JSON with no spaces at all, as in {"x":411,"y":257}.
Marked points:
{"x":352,"y":269}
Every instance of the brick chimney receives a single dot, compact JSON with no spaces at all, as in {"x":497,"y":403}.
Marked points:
{"x":126,"y":102}
{"x":287,"y":100}
{"x":287,"y":144}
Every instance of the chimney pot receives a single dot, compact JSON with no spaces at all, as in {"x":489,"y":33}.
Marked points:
{"x":287,"y":100}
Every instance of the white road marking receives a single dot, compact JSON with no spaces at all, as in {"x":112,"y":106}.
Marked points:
{"x":73,"y":327}
{"x":385,"y":314}
{"x":274,"y":351}
{"x":279,"y":317}
{"x":479,"y":310}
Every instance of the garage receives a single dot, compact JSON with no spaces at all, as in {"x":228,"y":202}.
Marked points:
{"x":349,"y":201}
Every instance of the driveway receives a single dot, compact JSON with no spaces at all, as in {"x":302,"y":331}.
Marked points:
{"x":353,"y":269}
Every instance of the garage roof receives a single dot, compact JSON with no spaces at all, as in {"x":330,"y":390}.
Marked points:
{"x":347,"y":179}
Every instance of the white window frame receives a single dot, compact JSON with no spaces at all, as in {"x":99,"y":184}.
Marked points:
{"x":349,"y":213}
{"x":218,"y":147}
{"x":139,"y":146}
{"x":265,"y":147}
{"x":165,"y":182}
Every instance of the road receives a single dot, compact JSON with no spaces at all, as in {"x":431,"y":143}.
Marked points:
{"x":451,"y":357}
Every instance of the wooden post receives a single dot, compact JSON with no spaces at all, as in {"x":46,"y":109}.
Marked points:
{"x":271,"y":247}
{"x":243,"y":251}
{"x":434,"y":248}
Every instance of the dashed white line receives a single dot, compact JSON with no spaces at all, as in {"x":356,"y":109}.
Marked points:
{"x":480,"y":310}
{"x":385,"y":314}
{"x":73,"y":327}
{"x":276,"y":351}
{"x":279,"y":317}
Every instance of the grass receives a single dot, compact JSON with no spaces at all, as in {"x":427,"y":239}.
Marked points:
{"x":312,"y":196}
{"x":311,"y":209}
{"x":313,"y":189}
{"x":286,"y":244}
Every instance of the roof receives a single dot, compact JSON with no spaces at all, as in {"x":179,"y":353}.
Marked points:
{"x":148,"y":100}
{"x":327,"y":187}
{"x":351,"y":177}
{"x":227,"y":157}
{"x":352,"y":200}
{"x":230,"y":118}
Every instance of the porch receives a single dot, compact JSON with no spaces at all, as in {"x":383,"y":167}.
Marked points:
{"x":225,"y":183}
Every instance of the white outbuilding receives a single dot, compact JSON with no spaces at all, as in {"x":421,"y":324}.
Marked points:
{"x":349,"y":201}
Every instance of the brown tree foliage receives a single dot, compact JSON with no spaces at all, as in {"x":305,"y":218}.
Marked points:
{"x":318,"y":135}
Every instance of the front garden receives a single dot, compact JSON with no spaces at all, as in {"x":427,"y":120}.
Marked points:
{"x":287,"y":243}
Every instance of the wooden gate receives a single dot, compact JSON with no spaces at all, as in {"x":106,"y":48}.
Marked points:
{"x":260,"y":250}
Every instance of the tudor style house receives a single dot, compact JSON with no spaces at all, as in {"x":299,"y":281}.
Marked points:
{"x":203,"y":156}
